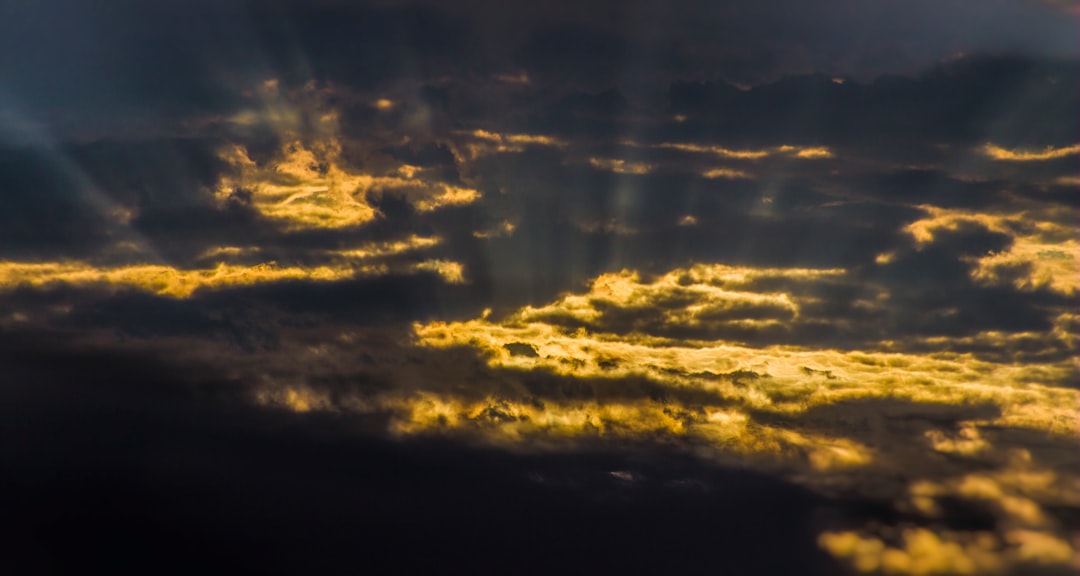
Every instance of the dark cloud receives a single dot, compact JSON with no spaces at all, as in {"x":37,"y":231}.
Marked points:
{"x":969,"y":100}
{"x":573,"y":220}
{"x":597,"y":54}
{"x":160,"y":63}
{"x":51,"y":207}
{"x":181,"y":470}
{"x":933,"y":291}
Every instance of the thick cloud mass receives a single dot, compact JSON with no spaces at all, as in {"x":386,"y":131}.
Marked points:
{"x":337,"y":287}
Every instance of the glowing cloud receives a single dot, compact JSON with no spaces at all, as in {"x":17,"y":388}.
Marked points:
{"x":716,"y":150}
{"x":807,"y":153}
{"x":160,"y":279}
{"x":803,"y":152}
{"x":827,"y":418}
{"x":621,"y":166}
{"x":726,"y":173}
{"x":450,"y":196}
{"x":308,"y":185}
{"x":306,"y":190}
{"x":1044,"y":251}
{"x":384,"y":104}
{"x":175,"y":282}
{"x":519,"y":138}
{"x":1049,"y":153}
{"x":452,"y":272}
{"x":506,"y":228}
{"x":301,"y":190}
{"x":575,"y":372}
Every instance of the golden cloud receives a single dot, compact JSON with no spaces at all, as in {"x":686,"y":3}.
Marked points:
{"x":309,"y":188}
{"x":308,"y":185}
{"x":621,"y":166}
{"x":166,"y":280}
{"x":915,"y":429}
{"x":778,"y":379}
{"x":920,"y":552}
{"x":725,"y":173}
{"x":715,"y":150}
{"x":505,"y":228}
{"x":1048,"y":153}
{"x":811,"y":153}
{"x":452,"y":272}
{"x":450,"y":196}
{"x":159,"y":279}
{"x":478,"y":143}
{"x":301,"y":190}
{"x":1044,"y":251}
{"x":567,"y":338}
{"x":803,"y":152}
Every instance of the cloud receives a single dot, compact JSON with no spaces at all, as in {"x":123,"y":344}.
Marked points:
{"x":1041,"y":251}
{"x":720,"y":151}
{"x":922,"y":551}
{"x":53,"y":206}
{"x":725,"y":173}
{"x":305,"y":197}
{"x":201,"y":448}
{"x":182,"y":283}
{"x":308,"y":184}
{"x":530,"y":251}
{"x":620,"y":166}
{"x":952,"y":102}
{"x":1050,"y":153}
{"x":481,"y":142}
{"x":839,"y":421}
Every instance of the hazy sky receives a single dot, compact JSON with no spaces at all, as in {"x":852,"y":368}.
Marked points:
{"x":337,"y":286}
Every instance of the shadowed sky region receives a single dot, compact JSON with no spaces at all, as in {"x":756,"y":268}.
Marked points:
{"x":604,"y":287}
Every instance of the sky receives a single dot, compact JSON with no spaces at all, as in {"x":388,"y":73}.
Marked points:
{"x":335,"y":286}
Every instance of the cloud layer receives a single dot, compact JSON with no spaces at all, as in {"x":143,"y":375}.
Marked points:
{"x":605,"y":262}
